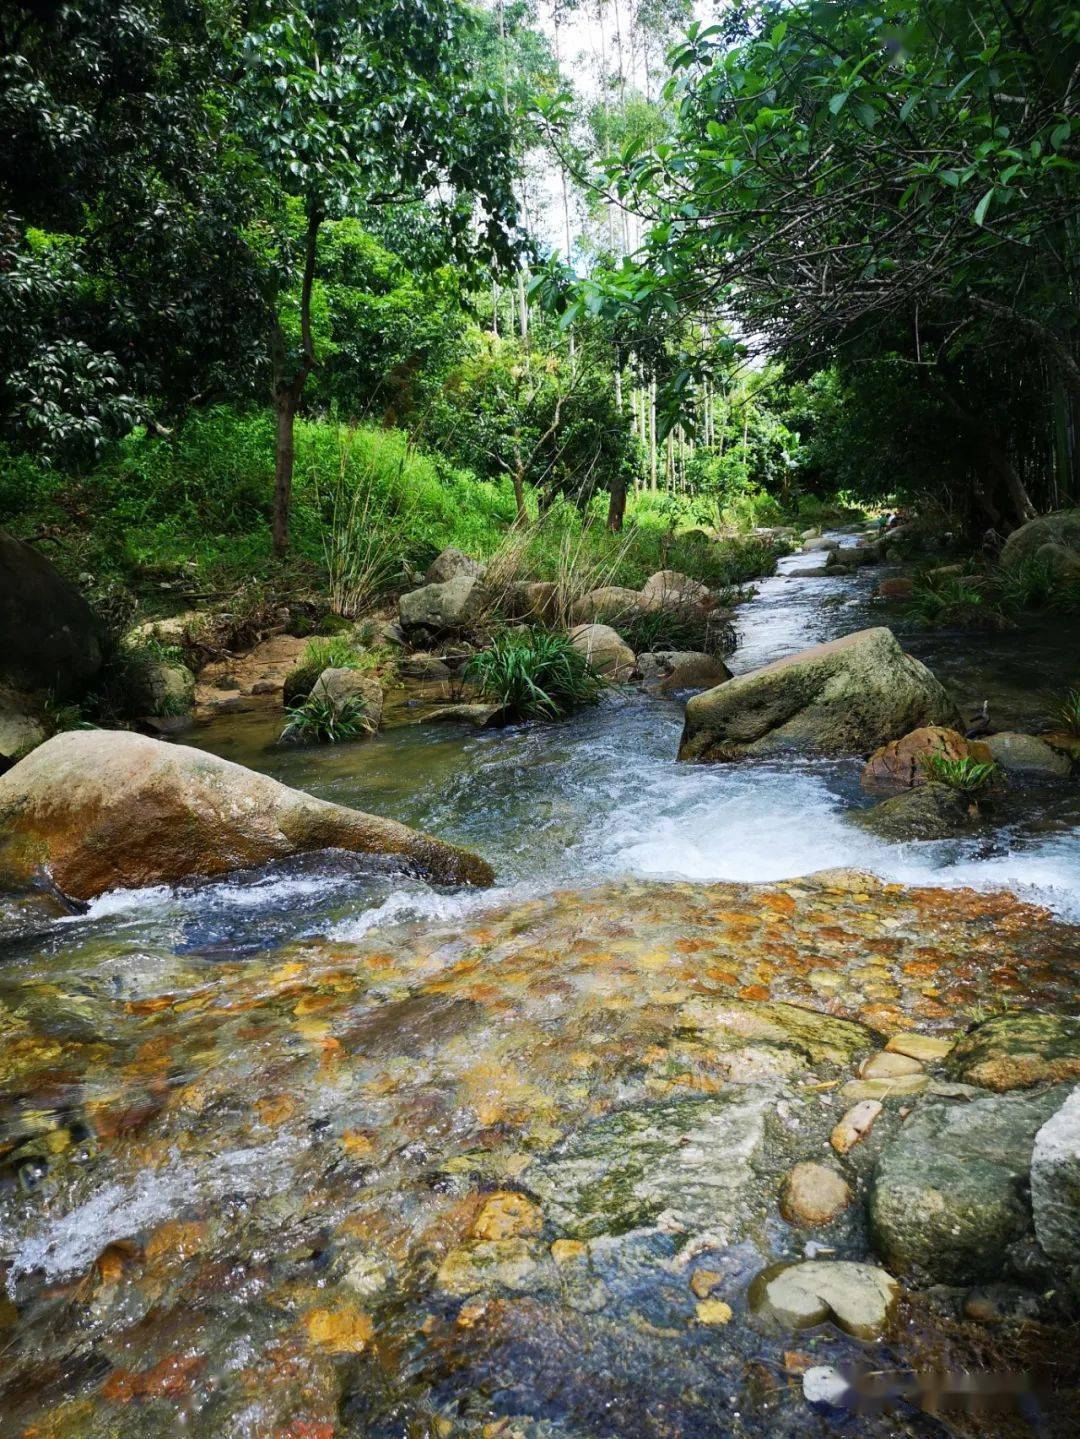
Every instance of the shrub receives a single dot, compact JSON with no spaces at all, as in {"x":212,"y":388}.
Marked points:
{"x":319,"y":720}
{"x":535,"y":673}
{"x":678,"y":629}
{"x":947,"y":602}
{"x":967,"y":776}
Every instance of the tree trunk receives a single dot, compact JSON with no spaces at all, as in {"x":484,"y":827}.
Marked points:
{"x":519,"y":497}
{"x":283,"y":468}
{"x":617,"y":504}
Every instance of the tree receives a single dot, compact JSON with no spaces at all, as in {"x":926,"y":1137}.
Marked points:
{"x":127,"y":288}
{"x":348,"y":106}
{"x":843,"y":173}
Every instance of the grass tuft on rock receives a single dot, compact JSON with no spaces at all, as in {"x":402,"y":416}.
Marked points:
{"x":966,"y":776}
{"x":534,"y":673}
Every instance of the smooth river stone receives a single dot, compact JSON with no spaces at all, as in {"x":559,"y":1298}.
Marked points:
{"x":813,"y":1194}
{"x":924,"y":1047}
{"x":857,"y":1297}
{"x":888,"y":1066}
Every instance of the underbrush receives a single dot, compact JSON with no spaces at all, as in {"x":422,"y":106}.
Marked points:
{"x":334,"y":652}
{"x":995,"y":599}
{"x":184,"y":520}
{"x":684,"y":629}
{"x":534,"y":674}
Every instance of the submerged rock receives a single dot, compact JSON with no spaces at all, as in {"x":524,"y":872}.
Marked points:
{"x":103,"y":809}
{"x":606,"y":651}
{"x":683,"y":1167}
{"x":1026,"y":754}
{"x":483,"y":716}
{"x":948,"y":1194}
{"x":813,"y":1194}
{"x":845,"y":697}
{"x":1016,"y":1051}
{"x":932,"y":811}
{"x":859,"y":1298}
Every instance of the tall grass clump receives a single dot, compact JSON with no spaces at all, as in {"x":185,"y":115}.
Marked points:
{"x":321,"y":720}
{"x":946,"y":602}
{"x":1068,"y":713}
{"x":534,"y":674}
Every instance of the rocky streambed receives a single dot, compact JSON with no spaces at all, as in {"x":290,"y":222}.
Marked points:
{"x":626,"y":1160}
{"x":663,"y":1135}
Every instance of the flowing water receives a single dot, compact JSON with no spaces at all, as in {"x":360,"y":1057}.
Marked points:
{"x":239,"y":1119}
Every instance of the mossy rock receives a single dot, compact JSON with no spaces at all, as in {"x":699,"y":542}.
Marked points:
{"x":1016,"y":1051}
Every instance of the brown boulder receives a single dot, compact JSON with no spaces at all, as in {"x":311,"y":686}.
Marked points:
{"x":105,"y":809}
{"x":901,"y":763}
{"x":900,"y":587}
{"x":606,"y":651}
{"x":608,"y":605}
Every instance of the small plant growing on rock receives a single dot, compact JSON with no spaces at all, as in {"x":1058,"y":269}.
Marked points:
{"x":1069,"y":713}
{"x":534,"y":673}
{"x":966,"y":776}
{"x":949,"y":602}
{"x":319,"y":720}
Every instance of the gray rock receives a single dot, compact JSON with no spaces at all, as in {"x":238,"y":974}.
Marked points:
{"x":482,"y":716}
{"x":162,"y":688}
{"x":932,"y":811}
{"x":1055,"y":1182}
{"x":1026,"y":754}
{"x":848,"y":696}
{"x":445,"y":608}
{"x":819,"y":544}
{"x":21,"y":727}
{"x":452,"y":563}
{"x":948,"y":1194}
{"x":422,"y":666}
{"x":1062,"y":528}
{"x":606,"y":651}
{"x":682,"y":1166}
{"x":608,"y":605}
{"x":857,"y":1297}
{"x":822,"y":1384}
{"x":672,"y":590}
{"x":50,"y":638}
{"x":340,"y":685}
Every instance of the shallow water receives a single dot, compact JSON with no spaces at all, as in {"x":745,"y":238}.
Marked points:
{"x":241,"y":1118}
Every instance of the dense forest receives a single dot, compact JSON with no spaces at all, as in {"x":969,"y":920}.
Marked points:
{"x":704,"y":275}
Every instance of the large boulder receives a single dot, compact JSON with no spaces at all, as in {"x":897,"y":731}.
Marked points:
{"x":667,"y":671}
{"x":104,"y":809}
{"x":610,"y":604}
{"x":606,"y":651}
{"x":901,"y":764}
{"x":445,"y":608}
{"x":50,"y":638}
{"x":948,"y":1196}
{"x":536,"y":600}
{"x":845,"y":697}
{"x":450,"y":564}
{"x":159,"y":687}
{"x":1062,"y":528}
{"x":1055,"y":1182}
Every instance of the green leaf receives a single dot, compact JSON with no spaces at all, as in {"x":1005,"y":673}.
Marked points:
{"x":981,"y":208}
{"x":838,"y":101}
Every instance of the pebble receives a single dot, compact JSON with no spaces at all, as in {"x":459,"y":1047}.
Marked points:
{"x":855,"y":1125}
{"x":713,"y":1311}
{"x":925,"y":1047}
{"x":883,"y":1088}
{"x":822,"y":1384}
{"x":888,"y":1066}
{"x":704,"y":1281}
{"x":813,"y":1194}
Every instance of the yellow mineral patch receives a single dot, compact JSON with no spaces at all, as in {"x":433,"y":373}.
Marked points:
{"x":339,"y":1331}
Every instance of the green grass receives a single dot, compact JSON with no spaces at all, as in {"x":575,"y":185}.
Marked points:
{"x":1068,"y":713}
{"x":332,"y":652}
{"x":948,"y":603}
{"x":534,"y":673}
{"x":966,"y":776}
{"x":685,"y":629}
{"x":319,"y":720}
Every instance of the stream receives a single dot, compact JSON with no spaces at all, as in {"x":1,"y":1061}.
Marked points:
{"x":240,"y":1118}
